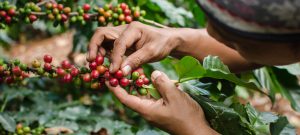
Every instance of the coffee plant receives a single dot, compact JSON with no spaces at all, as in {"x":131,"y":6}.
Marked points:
{"x":45,"y":98}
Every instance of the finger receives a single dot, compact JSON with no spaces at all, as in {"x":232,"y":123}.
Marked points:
{"x":164,"y":85}
{"x":136,"y":59}
{"x":133,"y":102}
{"x":126,"y":40}
{"x":102,"y":51}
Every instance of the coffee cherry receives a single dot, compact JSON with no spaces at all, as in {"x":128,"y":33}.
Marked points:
{"x":23,"y":66}
{"x":143,"y":13}
{"x":101,"y":69}
{"x":86,"y":17}
{"x":9,"y":80}
{"x":127,"y":12}
{"x":51,"y":16}
{"x":64,"y":17}
{"x":95,"y":74}
{"x":26,"y":129}
{"x":134,"y":92}
{"x":3,"y":14}
{"x":93,"y":65}
{"x":121,"y":17}
{"x":74,"y":72}
{"x":48,"y":5}
{"x":139,"y":82}
{"x":32,"y":18}
{"x":11,"y":12}
{"x":135,"y":75}
{"x":17,"y":62}
{"x":113,"y":82}
{"x":146,"y":81}
{"x":107,"y":75}
{"x":60,"y":71}
{"x":95,"y":85}
{"x":67,"y":78}
{"x":47,"y":58}
{"x":36,"y":64}
{"x":60,"y":7}
{"x":128,"y":19}
{"x":99,"y":60}
{"x":67,"y":10}
{"x":124,"y":82}
{"x":142,"y":76}
{"x":19,"y":126}
{"x":86,"y":7}
{"x":101,"y":11}
{"x":101,"y":19}
{"x":86,"y":77}
{"x":66,"y":64}
{"x":47,"y":67}
{"x":118,"y":74}
{"x":123,"y":6}
{"x":55,"y":11}
{"x":24,"y":75}
{"x":143,"y":91}
{"x":136,"y":14}
{"x":8,"y":19}
{"x":17,"y":71}
{"x":107,"y":14}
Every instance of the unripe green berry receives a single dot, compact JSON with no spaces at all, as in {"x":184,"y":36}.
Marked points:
{"x":17,"y":62}
{"x":26,"y":129}
{"x":40,"y":71}
{"x":1,"y":62}
{"x":23,"y":66}
{"x":135,"y":75}
{"x":143,"y":91}
{"x":73,"y":19}
{"x":134,"y":92}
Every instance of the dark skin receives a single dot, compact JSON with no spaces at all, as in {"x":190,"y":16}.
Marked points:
{"x":142,"y":44}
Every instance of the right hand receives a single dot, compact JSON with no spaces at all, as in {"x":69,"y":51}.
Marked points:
{"x":148,"y":43}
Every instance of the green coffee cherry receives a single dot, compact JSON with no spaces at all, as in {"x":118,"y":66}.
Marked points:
{"x":135,"y":75}
{"x":143,"y":91}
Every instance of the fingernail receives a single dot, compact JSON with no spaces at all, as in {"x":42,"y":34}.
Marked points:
{"x":155,"y":74}
{"x":111,"y":67}
{"x":126,"y":69}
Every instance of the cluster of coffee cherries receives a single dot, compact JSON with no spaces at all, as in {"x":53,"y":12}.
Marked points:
{"x":26,"y":130}
{"x":7,"y":13}
{"x":59,"y":14}
{"x":94,"y":75}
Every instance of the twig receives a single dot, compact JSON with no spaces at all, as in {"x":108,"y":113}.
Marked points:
{"x":154,"y":23}
{"x":38,"y":13}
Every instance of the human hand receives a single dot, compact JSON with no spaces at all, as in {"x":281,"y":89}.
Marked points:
{"x":148,"y":43}
{"x":176,"y":112}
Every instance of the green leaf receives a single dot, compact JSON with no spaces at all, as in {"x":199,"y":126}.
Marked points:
{"x":7,"y":122}
{"x":73,"y":113}
{"x":282,"y":126}
{"x":189,"y":68}
{"x":153,"y":91}
{"x":215,"y":64}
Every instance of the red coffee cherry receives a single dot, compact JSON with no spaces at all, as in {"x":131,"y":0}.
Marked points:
{"x":95,"y":74}
{"x":99,"y":60}
{"x":74,"y":72}
{"x":64,"y":17}
{"x":54,"y":5}
{"x":65,"y":64}
{"x":124,"y":82}
{"x":114,"y":82}
{"x":127,"y":12}
{"x":47,"y":67}
{"x":118,"y":74}
{"x":47,"y":58}
{"x":32,"y":18}
{"x":93,"y":65}
{"x":8,"y":19}
{"x":139,"y":82}
{"x":86,"y":7}
{"x":60,"y":7}
{"x":86,"y":17}
{"x":60,"y":71}
{"x":101,"y":69}
{"x":9,"y":80}
{"x":87,"y":77}
{"x":128,"y":19}
{"x":107,"y":75}
{"x":136,"y":14}
{"x":3,"y":13}
{"x":146,"y":80}
{"x":11,"y":12}
{"x":17,"y":71}
{"x":123,"y":6}
{"x":67,"y":78}
{"x":25,"y":75}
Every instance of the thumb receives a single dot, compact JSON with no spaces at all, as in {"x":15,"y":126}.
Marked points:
{"x":164,"y":85}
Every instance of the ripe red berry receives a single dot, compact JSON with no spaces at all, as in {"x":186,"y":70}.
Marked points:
{"x":123,"y":6}
{"x":86,"y":17}
{"x":95,"y":74}
{"x":64,"y":17}
{"x":47,"y":67}
{"x":118,"y":74}
{"x":107,"y":75}
{"x":17,"y":71}
{"x":60,"y":71}
{"x":127,"y":12}
{"x":11,"y":12}
{"x":9,"y":80}
{"x":99,"y":60}
{"x":124,"y":82}
{"x":93,"y":65}
{"x":142,"y":76}
{"x":67,"y":78}
{"x":146,"y":80}
{"x":86,"y":77}
{"x":8,"y":19}
{"x":3,"y":13}
{"x":65,"y":64}
{"x":60,"y":7}
{"x":86,"y":7}
{"x":25,"y":75}
{"x":136,"y":14}
{"x":32,"y":18}
{"x":139,"y":82}
{"x":128,"y":19}
{"x":54,"y":5}
{"x":47,"y":58}
{"x":101,"y":69}
{"x":114,"y":82}
{"x":74,"y":72}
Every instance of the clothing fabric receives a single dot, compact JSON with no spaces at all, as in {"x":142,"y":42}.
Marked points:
{"x":277,"y":20}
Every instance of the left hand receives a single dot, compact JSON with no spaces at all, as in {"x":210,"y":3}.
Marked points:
{"x":176,"y":112}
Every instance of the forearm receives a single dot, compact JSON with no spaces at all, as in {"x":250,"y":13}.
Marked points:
{"x":199,"y":44}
